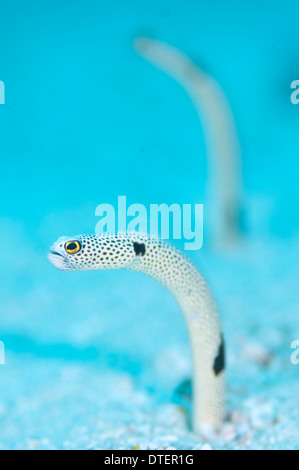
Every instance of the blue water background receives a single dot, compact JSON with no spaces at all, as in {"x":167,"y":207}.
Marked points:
{"x":86,"y":120}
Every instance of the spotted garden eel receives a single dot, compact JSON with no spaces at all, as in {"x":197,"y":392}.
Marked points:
{"x":212,"y":106}
{"x":179,"y":275}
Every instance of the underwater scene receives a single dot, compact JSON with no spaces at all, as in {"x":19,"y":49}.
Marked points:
{"x":149,"y":225}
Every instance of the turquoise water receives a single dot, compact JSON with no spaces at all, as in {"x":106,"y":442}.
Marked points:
{"x":87,"y":120}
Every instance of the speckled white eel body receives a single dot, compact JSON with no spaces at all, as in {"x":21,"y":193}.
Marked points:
{"x":179,"y":275}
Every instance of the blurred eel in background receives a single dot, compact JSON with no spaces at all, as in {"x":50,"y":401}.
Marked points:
{"x":224,"y":161}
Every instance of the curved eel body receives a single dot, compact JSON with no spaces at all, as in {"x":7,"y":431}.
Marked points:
{"x":179,"y":275}
{"x":212,"y":106}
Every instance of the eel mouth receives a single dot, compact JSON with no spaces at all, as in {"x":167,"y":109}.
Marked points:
{"x":57,"y":259}
{"x":55,"y":253}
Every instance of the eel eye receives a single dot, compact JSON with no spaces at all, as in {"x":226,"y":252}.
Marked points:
{"x":73,"y":247}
